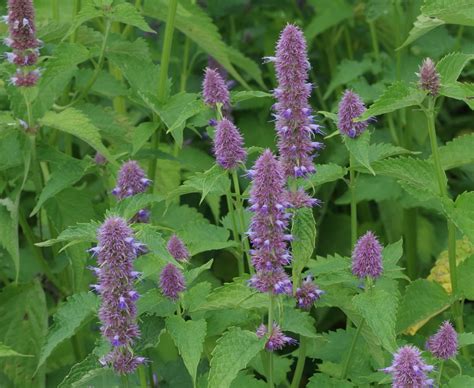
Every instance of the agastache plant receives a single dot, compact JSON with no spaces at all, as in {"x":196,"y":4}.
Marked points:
{"x":116,"y":251}
{"x":307,"y":293}
{"x":429,"y":77}
{"x":351,"y":106}
{"x":294,"y":120}
{"x":444,"y":344}
{"x":132,"y":180}
{"x":228,"y":145}
{"x":214,"y":89}
{"x":22,"y":39}
{"x":277,"y":339}
{"x":367,"y":257}
{"x":172,"y":282}
{"x":177,"y":249}
{"x":408,"y":369}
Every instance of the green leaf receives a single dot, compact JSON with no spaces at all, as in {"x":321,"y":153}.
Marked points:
{"x":126,"y":13}
{"x":141,"y":135}
{"x":83,"y":372}
{"x":71,"y":315}
{"x":397,"y":96}
{"x":465,"y":339}
{"x":326,"y":173}
{"x":23,"y":326}
{"x":193,"y":273}
{"x":457,"y":152}
{"x":129,"y":206}
{"x":321,"y":380}
{"x":202,"y":237}
{"x":331,"y":270}
{"x":329,"y":13}
{"x":460,"y":381}
{"x":423,"y":24}
{"x":245,"y":95}
{"x":451,"y":66}
{"x":76,"y":234}
{"x":422,"y":301}
{"x":303,"y":231}
{"x":233,"y":351}
{"x":466,"y":278}
{"x":462,"y":213}
{"x":459,"y":91}
{"x":359,"y":149}
{"x":6,"y":351}
{"x":9,"y":230}
{"x":76,"y":123}
{"x":452,"y":11}
{"x":189,"y":339}
{"x":299,"y":322}
{"x":375,"y":304}
{"x":66,"y":175}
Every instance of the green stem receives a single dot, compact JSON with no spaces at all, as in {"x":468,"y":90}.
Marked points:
{"x":230,"y":206}
{"x":184,"y":68}
{"x":128,"y":28}
{"x":300,"y":363}
{"x":440,"y":374}
{"x":270,"y":330}
{"x":76,"y":7}
{"x":240,"y":213}
{"x":142,"y":376}
{"x":352,"y":186}
{"x":124,"y":379}
{"x":375,"y":42}
{"x":410,"y":220}
{"x":165,"y":60}
{"x":348,"y":361}
{"x":443,"y":189}
{"x":55,"y":10}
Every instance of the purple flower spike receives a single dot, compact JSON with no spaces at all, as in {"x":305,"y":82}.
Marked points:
{"x":131,"y":180}
{"x":408,"y":369}
{"x":367,"y":257}
{"x":177,"y":249}
{"x":277,"y":340}
{"x":22,"y":39}
{"x":118,"y":311}
{"x":172,"y":282}
{"x":228,"y":145}
{"x":351,"y":107}
{"x":214,"y":89}
{"x":444,"y":344}
{"x":299,"y":199}
{"x":429,"y":77}
{"x":307,"y":294}
{"x":275,"y":281}
{"x":293,"y":112}
{"x":122,"y":360}
{"x":269,"y":222}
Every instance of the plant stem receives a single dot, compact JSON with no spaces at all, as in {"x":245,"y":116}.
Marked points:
{"x":440,"y":374}
{"x":352,"y":183}
{"x":124,"y":379}
{"x":55,"y":10}
{"x":142,"y":376}
{"x":443,"y":189}
{"x":348,"y":361}
{"x":184,"y":68}
{"x":300,"y":363}
{"x":165,"y":60}
{"x":76,"y":7}
{"x":240,"y":213}
{"x":230,"y":206}
{"x":128,"y":28}
{"x":375,"y":42}
{"x":270,"y":330}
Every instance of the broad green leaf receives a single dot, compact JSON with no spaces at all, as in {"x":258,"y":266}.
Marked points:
{"x":126,"y":13}
{"x":299,"y":322}
{"x":246,"y":381}
{"x":457,"y":152}
{"x":377,"y":8}
{"x":88,"y":12}
{"x":460,"y":381}
{"x":246,"y":64}
{"x":451,"y":11}
{"x":451,"y":66}
{"x":6,"y":351}
{"x":83,"y":372}
{"x":466,"y":278}
{"x":391,"y":254}
{"x":10,"y":149}
{"x":76,"y":234}
{"x":397,"y":96}
{"x":202,"y":237}
{"x":245,"y":95}
{"x":23,"y":326}
{"x":189,"y":339}
{"x":71,"y":315}
{"x":459,"y":91}
{"x":423,"y":24}
{"x":422,"y":301}
{"x":141,"y":135}
{"x":347,"y":71}
{"x":193,"y":273}
{"x":196,"y":295}
{"x":381,"y":151}
{"x":129,"y":206}
{"x":66,"y":175}
{"x":326,"y":173}
{"x":329,"y":13}
{"x":153,"y":302}
{"x":359,"y":149}
{"x":462,"y":213}
{"x":465,"y":339}
{"x":321,"y":380}
{"x":303,"y":230}
{"x":76,"y":123}
{"x":331,"y":270}
{"x":375,"y":304}
{"x":192,"y":21}
{"x":9,"y":230}
{"x":233,"y":351}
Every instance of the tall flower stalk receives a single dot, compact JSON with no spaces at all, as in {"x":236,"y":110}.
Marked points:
{"x":430,"y":82}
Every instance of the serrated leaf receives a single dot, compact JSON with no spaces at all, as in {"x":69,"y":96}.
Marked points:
{"x":460,"y":381}
{"x":459,"y":91}
{"x":129,"y":206}
{"x":359,"y":149}
{"x":66,"y":175}
{"x":245,"y":95}
{"x":457,"y":152}
{"x":78,"y":233}
{"x":126,"y":13}
{"x":193,"y":273}
{"x":88,"y":12}
{"x":397,"y":96}
{"x":423,"y":24}
{"x":299,"y":322}
{"x":141,"y":135}
{"x":451,"y":66}
{"x":76,"y":123}
{"x":23,"y":325}
{"x":451,"y":11}
{"x":466,"y":278}
{"x":233,"y":351}
{"x":303,"y":230}
{"x":331,"y":270}
{"x":375,"y":304}
{"x":465,"y":339}
{"x":202,"y":237}
{"x":321,"y":380}
{"x":329,"y":13}
{"x":71,"y":315}
{"x":461,"y":212}
{"x":83,"y":372}
{"x":422,"y":301}
{"x":326,"y":173}
{"x":189,"y":339}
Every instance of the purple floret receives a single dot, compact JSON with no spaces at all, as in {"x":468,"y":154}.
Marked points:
{"x":351,"y":107}
{"x":444,"y":344}
{"x":177,"y":249}
{"x":172,"y":282}
{"x":228,"y":145}
{"x":367,"y":257}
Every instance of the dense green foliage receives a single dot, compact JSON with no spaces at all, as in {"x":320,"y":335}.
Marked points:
{"x":108,"y":85}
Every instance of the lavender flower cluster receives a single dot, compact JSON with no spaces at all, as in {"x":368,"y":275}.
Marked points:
{"x":116,"y":251}
{"x":131,"y":181}
{"x":22,"y":39}
{"x":172,"y":281}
